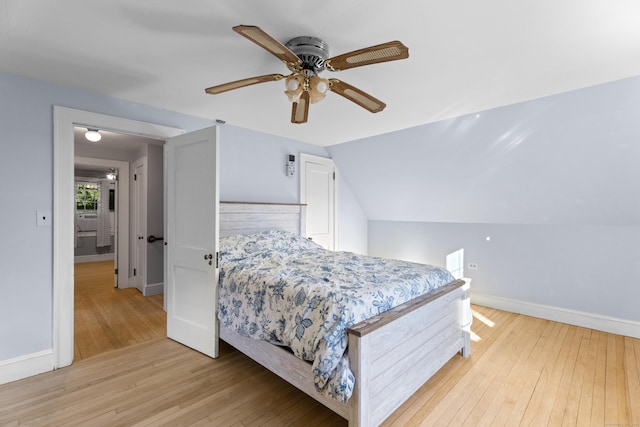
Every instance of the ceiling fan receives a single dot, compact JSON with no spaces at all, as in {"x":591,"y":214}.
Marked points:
{"x":306,"y":57}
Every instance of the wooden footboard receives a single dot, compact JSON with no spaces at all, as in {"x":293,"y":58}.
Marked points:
{"x":391,"y":355}
{"x":395,"y":353}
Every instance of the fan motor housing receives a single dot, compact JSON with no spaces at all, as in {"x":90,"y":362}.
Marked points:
{"x":312,"y":51}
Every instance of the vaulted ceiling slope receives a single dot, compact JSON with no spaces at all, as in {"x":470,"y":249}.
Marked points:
{"x":465,"y":56}
{"x":565,"y":159}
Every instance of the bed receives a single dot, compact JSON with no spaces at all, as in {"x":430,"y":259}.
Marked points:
{"x":390,"y":354}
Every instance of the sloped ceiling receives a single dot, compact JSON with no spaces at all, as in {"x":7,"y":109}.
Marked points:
{"x":566,"y":159}
{"x":465,"y":56}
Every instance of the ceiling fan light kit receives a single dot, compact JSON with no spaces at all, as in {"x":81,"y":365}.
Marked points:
{"x":306,"y":57}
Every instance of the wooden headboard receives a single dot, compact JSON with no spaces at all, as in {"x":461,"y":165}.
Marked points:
{"x":249,"y":217}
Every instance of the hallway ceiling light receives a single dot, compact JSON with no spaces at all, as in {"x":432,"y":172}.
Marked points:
{"x":93,"y":135}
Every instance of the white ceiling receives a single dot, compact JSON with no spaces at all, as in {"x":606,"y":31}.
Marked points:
{"x":465,"y":56}
{"x":120,"y":142}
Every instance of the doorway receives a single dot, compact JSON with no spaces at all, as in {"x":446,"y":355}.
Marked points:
{"x":84,"y":231}
{"x":63,"y":201}
{"x":104,"y":318}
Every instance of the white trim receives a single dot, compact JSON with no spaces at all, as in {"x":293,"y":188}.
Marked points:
{"x":583,"y":319}
{"x":153,"y":289}
{"x":25,"y":366}
{"x":139,"y":211}
{"x":123,"y":211}
{"x":64,"y":120}
{"x":93,"y":258}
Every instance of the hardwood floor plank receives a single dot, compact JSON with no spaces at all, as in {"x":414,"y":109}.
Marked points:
{"x":524,"y":379}
{"x":425,"y":400}
{"x":611,"y":386}
{"x":550,"y":378}
{"x":624,"y":405}
{"x":599,"y":383}
{"x":574,"y":390}
{"x":564,"y":372}
{"x":523,"y":371}
{"x":496,"y":396}
{"x":632,"y":362}
{"x":107,"y":318}
{"x":583,"y":417}
{"x":469,"y":383}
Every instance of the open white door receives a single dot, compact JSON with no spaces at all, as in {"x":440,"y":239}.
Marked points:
{"x":191,"y":197}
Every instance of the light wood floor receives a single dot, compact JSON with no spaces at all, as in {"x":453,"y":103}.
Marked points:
{"x":523,"y":371}
{"x":106,"y":318}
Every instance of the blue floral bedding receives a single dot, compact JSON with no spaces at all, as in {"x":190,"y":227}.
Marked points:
{"x":285,"y":289}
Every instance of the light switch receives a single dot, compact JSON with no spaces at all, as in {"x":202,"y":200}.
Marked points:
{"x":43,"y":218}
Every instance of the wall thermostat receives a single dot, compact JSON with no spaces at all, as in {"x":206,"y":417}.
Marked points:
{"x":291,"y":165}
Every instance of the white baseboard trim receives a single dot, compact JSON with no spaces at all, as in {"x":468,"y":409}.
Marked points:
{"x":598,"y":322}
{"x":93,"y":258}
{"x":153,"y":289}
{"x":26,"y":366}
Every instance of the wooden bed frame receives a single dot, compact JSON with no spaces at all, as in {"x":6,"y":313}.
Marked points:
{"x":391,"y":355}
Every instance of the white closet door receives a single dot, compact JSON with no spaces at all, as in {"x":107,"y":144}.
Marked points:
{"x":191,"y":197}
{"x":318,"y":192}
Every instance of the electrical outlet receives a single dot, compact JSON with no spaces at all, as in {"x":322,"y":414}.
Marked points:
{"x":472,"y":266}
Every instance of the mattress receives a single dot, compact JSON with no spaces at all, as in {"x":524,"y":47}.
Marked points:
{"x":282,"y":288}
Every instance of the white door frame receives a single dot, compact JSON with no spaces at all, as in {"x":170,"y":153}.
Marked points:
{"x":122,"y":222}
{"x":139,"y":222}
{"x":336,"y":193}
{"x":64,"y":119}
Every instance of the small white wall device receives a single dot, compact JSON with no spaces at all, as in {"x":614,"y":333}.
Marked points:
{"x":291,"y":165}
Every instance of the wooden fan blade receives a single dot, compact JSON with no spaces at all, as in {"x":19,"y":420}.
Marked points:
{"x":214,"y":90}
{"x":390,"y":51}
{"x":300,"y":109}
{"x":354,"y":94}
{"x":264,"y":40}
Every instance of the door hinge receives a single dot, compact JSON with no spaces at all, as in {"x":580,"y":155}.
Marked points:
{"x":116,"y":272}
{"x":135,"y":177}
{"x":217,"y":259}
{"x":334,"y":176}
{"x":134,"y":271}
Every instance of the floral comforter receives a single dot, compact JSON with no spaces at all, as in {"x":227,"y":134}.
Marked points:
{"x":285,"y":289}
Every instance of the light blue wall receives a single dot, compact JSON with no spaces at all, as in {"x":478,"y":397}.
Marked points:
{"x":26,"y":143}
{"x":565,"y":159}
{"x":353,"y":223}
{"x":252,"y":168}
{"x":591,"y":269}
{"x":553,"y":181}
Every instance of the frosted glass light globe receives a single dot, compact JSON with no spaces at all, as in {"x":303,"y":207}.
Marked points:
{"x":322,"y":86}
{"x":293,"y":84}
